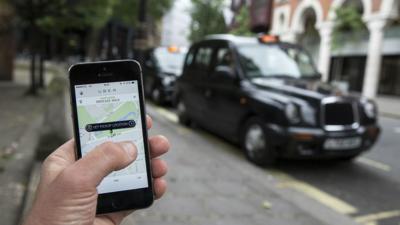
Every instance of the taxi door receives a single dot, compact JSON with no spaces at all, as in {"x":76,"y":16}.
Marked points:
{"x":194,"y":80}
{"x":223,"y":93}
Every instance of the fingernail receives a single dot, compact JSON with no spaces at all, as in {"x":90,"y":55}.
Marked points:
{"x":129,"y":148}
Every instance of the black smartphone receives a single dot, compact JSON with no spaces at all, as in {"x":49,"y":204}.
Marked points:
{"x":108,"y":105}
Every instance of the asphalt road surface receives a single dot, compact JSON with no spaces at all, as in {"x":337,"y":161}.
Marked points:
{"x":367,"y":189}
{"x":370,"y":184}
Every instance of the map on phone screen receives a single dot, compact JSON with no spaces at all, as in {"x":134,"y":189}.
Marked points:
{"x":111,"y":112}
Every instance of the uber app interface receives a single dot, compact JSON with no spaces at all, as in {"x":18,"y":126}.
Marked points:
{"x":111,"y":112}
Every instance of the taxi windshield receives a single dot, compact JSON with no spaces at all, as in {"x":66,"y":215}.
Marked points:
{"x":169,"y":62}
{"x":274,"y":61}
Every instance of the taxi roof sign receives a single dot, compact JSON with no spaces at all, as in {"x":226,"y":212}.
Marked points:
{"x":265,"y":38}
{"x":173,"y":49}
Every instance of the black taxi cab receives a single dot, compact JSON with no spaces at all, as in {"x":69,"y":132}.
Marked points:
{"x":267,"y":96}
{"x":162,"y":66}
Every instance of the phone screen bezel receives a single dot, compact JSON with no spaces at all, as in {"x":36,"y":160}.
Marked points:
{"x":105,"y":72}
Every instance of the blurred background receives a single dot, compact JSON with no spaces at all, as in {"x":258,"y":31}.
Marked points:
{"x":352,"y":48}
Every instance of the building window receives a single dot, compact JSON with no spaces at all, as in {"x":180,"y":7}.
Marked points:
{"x":389,"y":83}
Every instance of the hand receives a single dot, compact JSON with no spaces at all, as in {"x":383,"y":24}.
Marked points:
{"x":67,"y":190}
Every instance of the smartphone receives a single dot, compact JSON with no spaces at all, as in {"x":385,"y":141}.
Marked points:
{"x":107,"y":104}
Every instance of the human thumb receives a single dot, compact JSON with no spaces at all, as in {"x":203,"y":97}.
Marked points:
{"x":103,"y":160}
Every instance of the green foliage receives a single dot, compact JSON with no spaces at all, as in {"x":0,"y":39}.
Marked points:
{"x":56,"y":16}
{"x":207,"y":18}
{"x":126,"y":10}
{"x":348,"y":21}
{"x":242,"y":23}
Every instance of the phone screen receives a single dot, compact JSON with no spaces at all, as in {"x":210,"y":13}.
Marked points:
{"x":111,"y":112}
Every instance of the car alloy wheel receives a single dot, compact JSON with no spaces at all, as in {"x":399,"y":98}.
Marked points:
{"x":255,"y":143}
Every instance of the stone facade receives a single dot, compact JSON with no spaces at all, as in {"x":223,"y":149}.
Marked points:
{"x":289,"y":23}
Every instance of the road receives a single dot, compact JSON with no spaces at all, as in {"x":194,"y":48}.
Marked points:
{"x":371,"y":184}
{"x":367,"y":190}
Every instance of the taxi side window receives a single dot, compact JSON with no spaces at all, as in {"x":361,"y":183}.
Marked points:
{"x":224,"y":58}
{"x":203,"y":58}
{"x":190,"y":57}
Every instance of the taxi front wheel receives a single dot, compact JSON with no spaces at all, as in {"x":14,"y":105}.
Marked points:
{"x":255,"y":142}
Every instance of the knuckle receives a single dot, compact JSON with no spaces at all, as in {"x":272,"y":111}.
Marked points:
{"x":48,"y":161}
{"x":51,"y":161}
{"x":113,"y":152}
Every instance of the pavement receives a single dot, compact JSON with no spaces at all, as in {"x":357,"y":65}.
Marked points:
{"x":21,"y":118}
{"x":24,"y":119}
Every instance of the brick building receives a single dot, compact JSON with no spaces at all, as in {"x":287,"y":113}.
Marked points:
{"x":369,"y":64}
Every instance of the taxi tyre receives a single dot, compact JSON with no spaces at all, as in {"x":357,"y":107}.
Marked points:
{"x":262,"y":155}
{"x":183,"y":118}
{"x":156,"y":95}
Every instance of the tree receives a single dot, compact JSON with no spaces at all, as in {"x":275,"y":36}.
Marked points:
{"x":7,"y":45}
{"x":348,"y":24}
{"x":207,"y":18}
{"x":57,"y":17}
{"x":241,"y":24}
{"x":126,"y":10}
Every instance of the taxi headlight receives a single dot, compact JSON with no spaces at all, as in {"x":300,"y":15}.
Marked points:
{"x":292,"y":113}
{"x":370,"y":109}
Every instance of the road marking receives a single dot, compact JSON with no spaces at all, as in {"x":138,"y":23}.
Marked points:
{"x":167,"y":114}
{"x":371,"y":223}
{"x":374,"y":217}
{"x":286,"y":181}
{"x":172,"y":117}
{"x":375,"y":164}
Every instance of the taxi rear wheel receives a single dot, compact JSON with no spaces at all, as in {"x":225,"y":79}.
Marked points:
{"x":255,"y":142}
{"x":156,"y":95}
{"x":182,"y":113}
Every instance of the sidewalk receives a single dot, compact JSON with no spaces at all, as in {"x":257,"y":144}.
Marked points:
{"x":389,"y":106}
{"x":21,"y":120}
